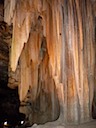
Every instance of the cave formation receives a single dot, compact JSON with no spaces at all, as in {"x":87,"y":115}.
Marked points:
{"x":47,"y":52}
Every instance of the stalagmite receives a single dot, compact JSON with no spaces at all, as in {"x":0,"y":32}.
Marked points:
{"x":53,"y":42}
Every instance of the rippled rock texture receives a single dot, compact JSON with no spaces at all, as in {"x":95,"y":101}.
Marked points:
{"x":53,"y":44}
{"x":51,"y":58}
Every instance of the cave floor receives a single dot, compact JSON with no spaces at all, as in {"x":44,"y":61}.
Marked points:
{"x":85,"y":125}
{"x":91,"y":124}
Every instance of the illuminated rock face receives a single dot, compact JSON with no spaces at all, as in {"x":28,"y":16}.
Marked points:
{"x":53,"y":44}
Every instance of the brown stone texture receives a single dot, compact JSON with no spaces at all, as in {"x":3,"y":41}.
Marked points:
{"x":4,"y":50}
{"x":52,"y":58}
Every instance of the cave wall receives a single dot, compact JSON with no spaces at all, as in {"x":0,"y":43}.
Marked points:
{"x":9,"y":100}
{"x":4,"y":48}
{"x":52,"y":58}
{"x":94,"y":99}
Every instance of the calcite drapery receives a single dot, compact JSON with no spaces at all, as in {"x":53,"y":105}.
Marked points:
{"x":25,"y":19}
{"x":29,"y":69}
{"x":43,"y":99}
{"x":78,"y":55}
{"x":15,"y":12}
{"x":68,"y":27}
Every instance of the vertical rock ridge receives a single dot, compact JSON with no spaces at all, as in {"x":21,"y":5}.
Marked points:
{"x":67,"y":58}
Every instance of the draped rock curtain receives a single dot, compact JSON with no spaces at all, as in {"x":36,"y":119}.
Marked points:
{"x":68,"y":27}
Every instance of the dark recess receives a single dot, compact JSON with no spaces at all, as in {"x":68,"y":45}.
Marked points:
{"x":1,"y":1}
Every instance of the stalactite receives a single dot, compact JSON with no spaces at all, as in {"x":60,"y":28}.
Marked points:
{"x":21,"y":27}
{"x":9,"y":9}
{"x":31,"y":62}
{"x":67,"y":26}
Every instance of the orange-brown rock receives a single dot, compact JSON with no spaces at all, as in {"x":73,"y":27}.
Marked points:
{"x":54,"y":44}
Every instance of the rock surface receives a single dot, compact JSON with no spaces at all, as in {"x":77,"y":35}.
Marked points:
{"x":57,"y":124}
{"x":5,"y":38}
{"x":53,"y":44}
